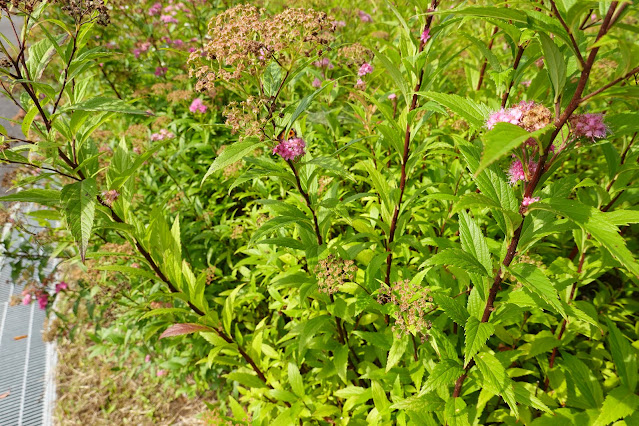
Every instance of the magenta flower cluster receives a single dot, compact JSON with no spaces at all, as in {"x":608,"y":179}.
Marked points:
{"x":364,"y":17}
{"x":516,"y":171}
{"x":366,"y":68}
{"x":162,"y":135}
{"x":198,"y":106}
{"x":589,"y":126}
{"x":510,"y":115}
{"x":290,"y":149}
{"x":425,"y":35}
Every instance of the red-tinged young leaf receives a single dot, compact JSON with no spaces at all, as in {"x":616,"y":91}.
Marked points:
{"x":180,"y":329}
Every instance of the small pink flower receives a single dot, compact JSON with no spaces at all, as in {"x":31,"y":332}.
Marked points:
{"x":589,"y":126}
{"x":425,"y":35}
{"x":510,"y":115}
{"x":323,"y":63}
{"x":192,"y":49}
{"x":160,"y":71}
{"x":290,"y":149}
{"x":198,"y":106}
{"x":162,"y":135}
{"x":392,"y":96}
{"x":529,"y":200}
{"x":155,"y":9}
{"x":340,"y":24}
{"x":61,"y":286}
{"x":43,"y":299}
{"x":147,"y":358}
{"x":27,"y":299}
{"x":136,"y":53}
{"x":160,"y":373}
{"x":178,"y":43}
{"x":360,"y":84}
{"x":110,"y":196}
{"x":317,"y":83}
{"x":366,"y":68}
{"x":135,"y":265}
{"x":364,"y":17}
{"x":516,"y":172}
{"x":168,"y":19}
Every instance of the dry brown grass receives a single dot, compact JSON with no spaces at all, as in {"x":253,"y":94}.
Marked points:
{"x":90,"y":391}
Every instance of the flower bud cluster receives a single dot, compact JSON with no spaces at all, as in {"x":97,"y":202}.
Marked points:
{"x":332,"y":272}
{"x":413,"y":303}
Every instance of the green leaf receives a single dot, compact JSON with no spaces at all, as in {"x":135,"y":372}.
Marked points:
{"x":451,"y":307}
{"x":619,"y":403}
{"x":425,"y":403}
{"x":496,"y":379}
{"x":445,"y":373}
{"x":246,"y":380}
{"x":79,"y":200}
{"x":45,"y":197}
{"x":379,"y":397}
{"x":555,"y":64}
{"x":624,"y":356}
{"x":305,"y":103}
{"x":475,"y":114}
{"x":473,"y":241}
{"x":535,"y":281}
{"x":477,"y":334}
{"x":393,"y":72}
{"x":396,"y":352}
{"x":502,"y":139}
{"x":596,"y":224}
{"x":101,"y":103}
{"x":459,"y":258}
{"x":295,"y":379}
{"x":584,"y":380}
{"x":232,"y":154}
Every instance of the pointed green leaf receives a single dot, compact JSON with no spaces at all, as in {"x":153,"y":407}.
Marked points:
{"x":583,"y":379}
{"x":475,"y":114}
{"x":535,"y":281}
{"x":477,"y":334}
{"x":79,"y":200}
{"x":444,"y":374}
{"x":623,"y":355}
{"x":496,"y":379}
{"x":619,"y":403}
{"x":459,"y":258}
{"x":232,"y":154}
{"x":555,"y":64}
{"x":451,"y":307}
{"x":396,"y":352}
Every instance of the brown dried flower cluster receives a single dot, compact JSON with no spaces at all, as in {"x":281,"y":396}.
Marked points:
{"x":237,"y":232}
{"x":332,"y":272}
{"x":413,"y":304}
{"x":244,"y":117}
{"x":536,"y":118}
{"x":81,"y":9}
{"x":24,"y":5}
{"x":245,"y":40}
{"x":161,"y":88}
{"x":354,"y":55}
{"x":178,"y":96}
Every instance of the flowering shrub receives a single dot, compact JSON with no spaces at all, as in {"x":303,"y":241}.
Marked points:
{"x":420,"y":215}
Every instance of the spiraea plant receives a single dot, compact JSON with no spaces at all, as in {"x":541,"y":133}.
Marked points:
{"x":421,"y":212}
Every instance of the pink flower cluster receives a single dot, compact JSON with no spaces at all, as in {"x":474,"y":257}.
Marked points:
{"x":510,"y":115}
{"x":143,"y":48}
{"x":366,"y":68}
{"x":156,"y":9}
{"x":516,"y":171}
{"x":110,"y":196}
{"x":198,"y":106}
{"x":61,"y":286}
{"x":160,"y":71}
{"x":364,"y":17}
{"x":290,"y":149}
{"x":41,"y":295}
{"x":323,"y":63}
{"x":529,"y":200}
{"x":168,"y":19}
{"x":589,"y":126}
{"x":425,"y":35}
{"x":317,"y":83}
{"x":162,"y":135}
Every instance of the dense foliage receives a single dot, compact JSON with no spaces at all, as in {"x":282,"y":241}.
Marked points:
{"x":416,"y":212}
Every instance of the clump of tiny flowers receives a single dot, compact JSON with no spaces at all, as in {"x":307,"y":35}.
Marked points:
{"x":589,"y":126}
{"x":364,"y":17}
{"x":197,"y":106}
{"x":290,"y":149}
{"x":528,"y":115}
{"x":425,"y":35}
{"x":160,"y":71}
{"x":32,"y":292}
{"x":162,"y":135}
{"x":413,"y":304}
{"x":516,"y":171}
{"x":529,"y":200}
{"x":109,"y":197}
{"x":366,"y":68}
{"x":332,"y":272}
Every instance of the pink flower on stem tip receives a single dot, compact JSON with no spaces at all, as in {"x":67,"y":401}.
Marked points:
{"x":147,"y":358}
{"x":160,"y":71}
{"x":366,"y":68}
{"x":156,"y":9}
{"x":323,"y":63}
{"x":43,"y":299}
{"x":425,"y":35}
{"x":290,"y":149}
{"x":198,"y":106}
{"x":510,"y":115}
{"x":364,"y":17}
{"x":61,"y":286}
{"x":168,"y":19}
{"x":360,"y":84}
{"x":529,"y":200}
{"x":27,"y":299}
{"x":162,"y":135}
{"x":392,"y":96}
{"x":110,"y":196}
{"x":516,"y":172}
{"x":317,"y":83}
{"x":161,"y":373}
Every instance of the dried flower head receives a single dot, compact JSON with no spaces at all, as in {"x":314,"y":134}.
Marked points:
{"x":413,"y":303}
{"x":86,"y":10}
{"x":332,"y":272}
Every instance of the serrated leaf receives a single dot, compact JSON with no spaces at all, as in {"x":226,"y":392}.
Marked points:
{"x":473,"y":241}
{"x":502,"y":139}
{"x":451,"y":307}
{"x":181,"y":329}
{"x":555,"y":64}
{"x":619,"y":403}
{"x":459,"y":258}
{"x":45,"y":197}
{"x":475,"y":114}
{"x":101,"y":103}
{"x":246,"y":380}
{"x":79,"y":200}
{"x":379,"y":397}
{"x":624,"y":356}
{"x":477,"y":334}
{"x":425,"y":403}
{"x":594,"y":222}
{"x":496,"y":379}
{"x":535,"y":281}
{"x":396,"y":352}
{"x":445,"y":373}
{"x":232,"y":154}
{"x":583,"y":378}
